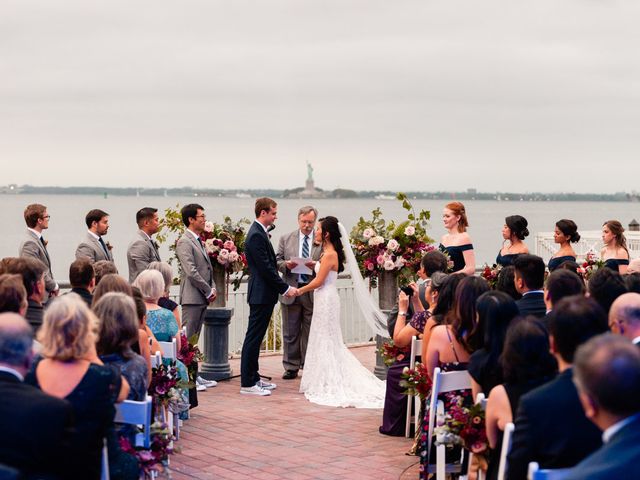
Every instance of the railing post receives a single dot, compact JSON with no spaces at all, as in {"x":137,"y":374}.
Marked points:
{"x":216,"y":344}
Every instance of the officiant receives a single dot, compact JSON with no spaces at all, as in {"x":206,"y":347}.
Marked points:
{"x":297,"y":254}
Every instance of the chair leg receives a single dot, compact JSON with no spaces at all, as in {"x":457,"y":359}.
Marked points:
{"x":441,"y":463}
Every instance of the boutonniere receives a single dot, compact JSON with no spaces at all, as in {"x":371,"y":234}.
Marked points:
{"x":156,"y":245}
{"x":109,"y":246}
{"x":46,"y":242}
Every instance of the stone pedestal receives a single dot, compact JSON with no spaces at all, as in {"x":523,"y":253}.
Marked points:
{"x":216,"y":344}
{"x":387,"y":296}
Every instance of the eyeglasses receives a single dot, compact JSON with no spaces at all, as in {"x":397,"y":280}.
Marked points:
{"x":201,"y":216}
{"x":46,"y":217}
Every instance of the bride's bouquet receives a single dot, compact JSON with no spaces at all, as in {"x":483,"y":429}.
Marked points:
{"x":398,"y":247}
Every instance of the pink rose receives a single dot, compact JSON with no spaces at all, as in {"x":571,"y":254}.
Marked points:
{"x":380,"y":259}
{"x":410,"y":230}
{"x":229,"y":245}
{"x":208,"y":227}
{"x":368,"y":233}
{"x":393,"y":245}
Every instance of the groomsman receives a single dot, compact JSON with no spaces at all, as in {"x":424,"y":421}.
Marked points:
{"x":197,"y":288}
{"x":93,"y":245}
{"x":34,"y":245}
{"x":143,"y":249}
{"x":297,"y":311}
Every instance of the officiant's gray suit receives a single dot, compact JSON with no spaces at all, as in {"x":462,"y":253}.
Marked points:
{"x":196,"y":281}
{"x":296,"y":311}
{"x":92,"y":249}
{"x":140,"y":253}
{"x":31,"y":246}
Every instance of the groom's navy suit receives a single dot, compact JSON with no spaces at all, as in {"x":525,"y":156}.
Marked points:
{"x":264,"y":286}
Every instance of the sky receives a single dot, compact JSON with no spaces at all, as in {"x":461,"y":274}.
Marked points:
{"x":426,"y":95}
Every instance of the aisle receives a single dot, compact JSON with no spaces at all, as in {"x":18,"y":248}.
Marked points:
{"x":233,"y":436}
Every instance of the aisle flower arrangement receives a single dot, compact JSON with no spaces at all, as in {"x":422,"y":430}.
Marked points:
{"x":465,"y":426}
{"x":165,"y":388}
{"x":398,"y":247}
{"x":155,"y":458}
{"x":416,"y":381}
{"x":190,"y":354}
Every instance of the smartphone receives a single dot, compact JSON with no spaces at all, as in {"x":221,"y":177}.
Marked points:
{"x":407,"y":290}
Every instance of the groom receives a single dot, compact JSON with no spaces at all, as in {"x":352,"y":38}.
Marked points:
{"x":264,"y":286}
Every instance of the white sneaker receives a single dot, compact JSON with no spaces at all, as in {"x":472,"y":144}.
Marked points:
{"x":266,"y":385}
{"x":255,"y":390}
{"x":206,"y":383}
{"x":200,"y":388}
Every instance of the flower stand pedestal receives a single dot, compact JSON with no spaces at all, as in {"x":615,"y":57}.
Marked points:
{"x":216,"y":343}
{"x":387,"y":295}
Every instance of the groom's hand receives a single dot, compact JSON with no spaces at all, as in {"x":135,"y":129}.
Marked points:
{"x":213,"y":296}
{"x":291,"y":265}
{"x":292,"y":292}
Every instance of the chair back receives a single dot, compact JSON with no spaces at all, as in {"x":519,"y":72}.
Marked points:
{"x":535,"y":473}
{"x":416,"y":350}
{"x":104,"y":471}
{"x":481,"y":400}
{"x":506,"y":447}
{"x":156,"y":360}
{"x":137,"y":413}
{"x":169,"y":349}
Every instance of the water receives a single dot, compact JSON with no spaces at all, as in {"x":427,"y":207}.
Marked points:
{"x":67,"y":225}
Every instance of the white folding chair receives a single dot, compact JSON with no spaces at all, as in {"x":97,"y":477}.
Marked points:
{"x":443,"y":382}
{"x":416,"y":349}
{"x":156,"y":359}
{"x":104,"y":474}
{"x":136,"y":413}
{"x":506,"y":447}
{"x":535,"y":473}
{"x":169,"y":349}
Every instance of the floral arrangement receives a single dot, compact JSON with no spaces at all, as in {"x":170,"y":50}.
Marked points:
{"x":380,"y":246}
{"x":190,"y":354}
{"x":590,"y":265}
{"x":490,"y":274}
{"x":465,"y":426}
{"x":416,"y":381}
{"x":165,"y":387}
{"x":152,"y":459}
{"x":391,"y":353}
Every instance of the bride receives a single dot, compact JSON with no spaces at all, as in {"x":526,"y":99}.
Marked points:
{"x":332,"y":375}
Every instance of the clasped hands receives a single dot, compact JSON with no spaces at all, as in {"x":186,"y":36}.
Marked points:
{"x":292,"y":292}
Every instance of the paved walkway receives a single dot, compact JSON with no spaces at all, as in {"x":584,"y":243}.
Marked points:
{"x":233,"y":436}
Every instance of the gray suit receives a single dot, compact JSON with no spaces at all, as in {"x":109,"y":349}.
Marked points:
{"x":90,"y":248}
{"x":196,"y":281}
{"x":31,"y":246}
{"x":296,"y":312}
{"x":140,"y":253}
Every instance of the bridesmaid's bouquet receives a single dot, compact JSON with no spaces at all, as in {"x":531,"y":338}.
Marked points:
{"x":391,"y":353}
{"x":392,"y":247}
{"x":490,"y":274}
{"x":591,"y":265}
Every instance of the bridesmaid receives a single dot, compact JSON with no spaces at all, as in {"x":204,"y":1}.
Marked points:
{"x":615,"y":253}
{"x":565,"y":233}
{"x":514,"y":232}
{"x":457,"y":243}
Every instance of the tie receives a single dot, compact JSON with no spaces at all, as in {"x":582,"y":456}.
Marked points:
{"x":305,"y":254}
{"x":104,"y":247}
{"x":202,"y":246}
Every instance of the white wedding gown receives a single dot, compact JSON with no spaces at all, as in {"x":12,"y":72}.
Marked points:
{"x":332,"y":376}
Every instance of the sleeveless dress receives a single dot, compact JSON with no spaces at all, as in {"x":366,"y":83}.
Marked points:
{"x":555,"y":262}
{"x":456,"y":254}
{"x":614,"y":263}
{"x":332,"y":376}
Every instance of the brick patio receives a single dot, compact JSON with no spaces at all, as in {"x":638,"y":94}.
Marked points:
{"x":233,"y":436}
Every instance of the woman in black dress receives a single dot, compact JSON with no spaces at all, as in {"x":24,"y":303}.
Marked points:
{"x":514,"y":232}
{"x":615,"y":252}
{"x":457,"y":242}
{"x":565,"y":233}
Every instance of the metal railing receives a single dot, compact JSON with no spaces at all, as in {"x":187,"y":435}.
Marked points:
{"x":589,"y":241}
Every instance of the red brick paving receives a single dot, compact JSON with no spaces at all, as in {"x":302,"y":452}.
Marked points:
{"x":233,"y":436}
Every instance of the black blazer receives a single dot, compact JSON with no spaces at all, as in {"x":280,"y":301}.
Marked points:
{"x":84,"y":294}
{"x":36,"y":428}
{"x":264,"y":281}
{"x":618,"y":458}
{"x":551,"y":429}
{"x":532,"y":304}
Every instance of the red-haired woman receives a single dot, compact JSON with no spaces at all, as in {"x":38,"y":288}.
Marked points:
{"x":457,"y":243}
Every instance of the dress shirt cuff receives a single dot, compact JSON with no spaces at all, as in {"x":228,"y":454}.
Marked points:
{"x":213,"y":292}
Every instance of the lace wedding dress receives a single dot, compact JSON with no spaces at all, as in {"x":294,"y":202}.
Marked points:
{"x":332,"y":376}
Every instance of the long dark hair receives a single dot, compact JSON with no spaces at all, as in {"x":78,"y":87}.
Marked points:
{"x":617,"y":229}
{"x":462,"y":317}
{"x":330,"y":225}
{"x":495,"y":310}
{"x":446,"y":294}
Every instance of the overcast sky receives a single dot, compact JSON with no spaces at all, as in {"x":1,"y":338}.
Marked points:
{"x":539,"y":95}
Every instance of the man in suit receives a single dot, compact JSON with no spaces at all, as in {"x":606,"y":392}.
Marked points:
{"x":35,"y":426}
{"x":82,"y":279}
{"x":624,"y":316}
{"x":528,"y":279}
{"x":93,"y":245}
{"x":143,"y":249}
{"x":32,"y":273}
{"x":197,"y":288}
{"x":35,"y":246}
{"x":264,"y":286}
{"x":13,"y":296}
{"x":297,"y":311}
{"x":607,"y":374}
{"x":551,"y":428}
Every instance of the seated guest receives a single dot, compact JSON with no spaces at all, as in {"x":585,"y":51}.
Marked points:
{"x":632,"y":281}
{"x":605,"y":286}
{"x":82,"y":279}
{"x":529,"y":278}
{"x":71,"y":370}
{"x":569,"y":265}
{"x":111,"y":283}
{"x":36,"y":428}
{"x":102,"y":268}
{"x":446,"y":297}
{"x":551,"y":428}
{"x":565,"y":233}
{"x":607,"y":374}
{"x":32,"y":273}
{"x":514,"y":232}
{"x":506,"y":282}
{"x":615,"y":252}
{"x":496,"y":310}
{"x":624,"y":316}
{"x":164,"y":301}
{"x":147,"y":343}
{"x":118,"y":332}
{"x":13,"y":296}
{"x":561,"y":283}
{"x":527,"y":364}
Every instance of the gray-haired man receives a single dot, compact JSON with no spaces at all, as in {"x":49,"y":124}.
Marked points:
{"x":297,"y":311}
